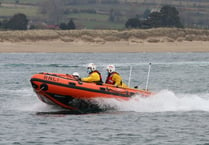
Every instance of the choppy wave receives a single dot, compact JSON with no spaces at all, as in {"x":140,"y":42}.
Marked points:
{"x":39,"y":65}
{"x":105,"y":64}
{"x":24,"y":100}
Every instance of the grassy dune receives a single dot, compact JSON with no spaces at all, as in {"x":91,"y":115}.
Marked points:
{"x":137,"y":35}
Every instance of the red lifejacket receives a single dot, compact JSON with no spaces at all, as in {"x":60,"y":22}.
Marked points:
{"x":109,"y":78}
{"x":100,"y":76}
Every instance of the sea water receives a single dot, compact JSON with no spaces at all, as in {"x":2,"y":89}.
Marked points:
{"x":177,"y":114}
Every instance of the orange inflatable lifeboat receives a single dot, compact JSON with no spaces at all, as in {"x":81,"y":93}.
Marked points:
{"x":65,"y":91}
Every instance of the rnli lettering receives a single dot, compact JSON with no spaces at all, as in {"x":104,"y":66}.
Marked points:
{"x":50,"y":78}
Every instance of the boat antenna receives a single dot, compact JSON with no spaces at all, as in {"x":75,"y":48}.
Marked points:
{"x":129,"y":79}
{"x":148,"y":74}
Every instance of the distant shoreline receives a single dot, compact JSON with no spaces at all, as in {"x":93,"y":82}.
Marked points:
{"x":105,"y":41}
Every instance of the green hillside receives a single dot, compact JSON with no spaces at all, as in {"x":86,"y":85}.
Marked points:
{"x":102,"y":14}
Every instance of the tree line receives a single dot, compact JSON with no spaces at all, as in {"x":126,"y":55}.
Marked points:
{"x":168,"y":16}
{"x":17,"y":22}
{"x":20,"y":22}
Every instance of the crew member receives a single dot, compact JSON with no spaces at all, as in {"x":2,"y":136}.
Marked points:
{"x":94,"y":75}
{"x":76,"y":76}
{"x":114,"y":78}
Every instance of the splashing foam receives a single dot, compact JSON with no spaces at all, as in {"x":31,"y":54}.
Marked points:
{"x":161,"y":102}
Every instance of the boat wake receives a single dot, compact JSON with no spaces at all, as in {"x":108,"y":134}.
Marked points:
{"x":163,"y":101}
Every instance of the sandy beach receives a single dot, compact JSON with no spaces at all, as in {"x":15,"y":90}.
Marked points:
{"x":107,"y":41}
{"x":122,"y":46}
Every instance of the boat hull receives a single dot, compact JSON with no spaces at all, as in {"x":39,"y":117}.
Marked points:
{"x":65,"y":91}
